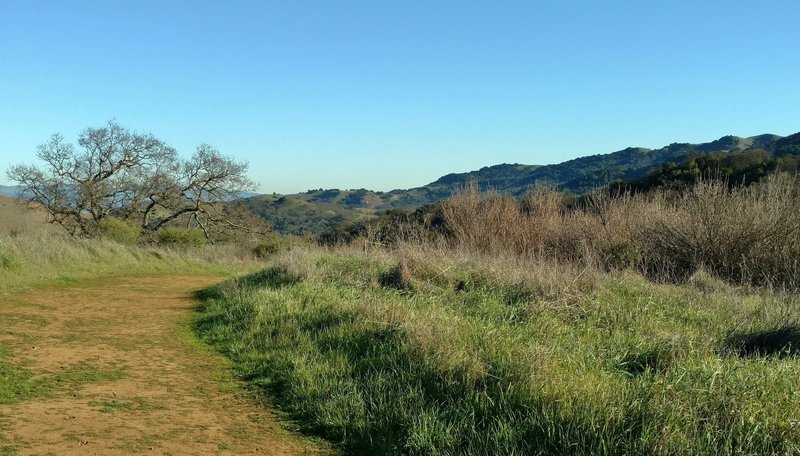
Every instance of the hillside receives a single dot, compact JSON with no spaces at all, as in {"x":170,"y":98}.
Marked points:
{"x":318,"y":211}
{"x":741,"y":167}
{"x":6,"y":190}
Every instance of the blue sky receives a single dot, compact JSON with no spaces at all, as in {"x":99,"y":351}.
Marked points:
{"x":390,"y":94}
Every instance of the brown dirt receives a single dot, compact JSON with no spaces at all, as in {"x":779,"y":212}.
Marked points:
{"x":126,"y":378}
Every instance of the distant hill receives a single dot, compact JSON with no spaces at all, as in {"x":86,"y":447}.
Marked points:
{"x":317,"y":211}
{"x":739,"y":167}
{"x":6,"y":190}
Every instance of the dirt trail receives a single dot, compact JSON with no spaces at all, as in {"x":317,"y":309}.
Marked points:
{"x":122,"y":379}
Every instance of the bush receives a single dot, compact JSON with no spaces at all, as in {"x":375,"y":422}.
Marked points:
{"x":739,"y":234}
{"x":269,"y":247}
{"x":117,"y":230}
{"x":179,"y":237}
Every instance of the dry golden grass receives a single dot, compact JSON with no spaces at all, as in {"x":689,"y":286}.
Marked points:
{"x":746,"y":235}
{"x":33,"y":252}
{"x":17,"y":217}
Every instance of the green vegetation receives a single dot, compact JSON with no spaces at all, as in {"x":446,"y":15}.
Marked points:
{"x":307,"y":212}
{"x":743,"y":167}
{"x":179,"y":237}
{"x":8,"y":261}
{"x":17,"y":384}
{"x":527,"y":321}
{"x":117,"y":230}
{"x":33,"y":253}
{"x":49,"y":258}
{"x":491,"y":355}
{"x":269,"y":247}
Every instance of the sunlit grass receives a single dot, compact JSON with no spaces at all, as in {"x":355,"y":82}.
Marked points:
{"x":499,"y":356}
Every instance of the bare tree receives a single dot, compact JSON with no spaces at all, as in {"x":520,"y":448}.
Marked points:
{"x":135,"y":177}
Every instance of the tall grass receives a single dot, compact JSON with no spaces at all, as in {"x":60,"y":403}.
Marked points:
{"x":745,"y":235}
{"x":742,"y":234}
{"x":489,"y":354}
{"x":34,"y":253}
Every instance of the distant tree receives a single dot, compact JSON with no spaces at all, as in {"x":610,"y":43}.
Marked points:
{"x":135,"y":177}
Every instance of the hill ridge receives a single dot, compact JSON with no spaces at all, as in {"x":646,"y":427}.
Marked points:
{"x":321,"y":210}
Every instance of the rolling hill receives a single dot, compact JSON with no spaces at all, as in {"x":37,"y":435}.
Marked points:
{"x":323,"y":210}
{"x":317,"y":211}
{"x":6,"y":190}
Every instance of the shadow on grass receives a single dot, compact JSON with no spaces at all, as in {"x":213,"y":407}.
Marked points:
{"x":781,"y":341}
{"x":654,"y":360}
{"x":272,"y":277}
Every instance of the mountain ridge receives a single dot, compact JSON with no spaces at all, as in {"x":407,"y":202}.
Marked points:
{"x":9,"y":190}
{"x":324,"y":209}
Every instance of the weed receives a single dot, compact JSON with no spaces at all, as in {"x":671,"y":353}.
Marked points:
{"x":15,"y":384}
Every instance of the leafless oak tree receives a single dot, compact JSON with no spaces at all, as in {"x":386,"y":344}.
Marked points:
{"x":135,"y":177}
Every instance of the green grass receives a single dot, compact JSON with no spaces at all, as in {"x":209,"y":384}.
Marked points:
{"x":18,"y":384}
{"x":482,"y":356}
{"x":15,"y":384}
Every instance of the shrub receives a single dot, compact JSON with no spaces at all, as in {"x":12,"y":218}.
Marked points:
{"x":495,"y":223}
{"x":117,"y":230}
{"x":180,"y":237}
{"x":739,"y":234}
{"x":269,"y":247}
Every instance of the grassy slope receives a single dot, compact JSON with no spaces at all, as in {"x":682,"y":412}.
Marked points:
{"x":33,"y":253}
{"x":485,"y":357}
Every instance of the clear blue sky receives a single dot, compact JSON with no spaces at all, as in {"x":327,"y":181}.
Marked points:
{"x":393,"y":94}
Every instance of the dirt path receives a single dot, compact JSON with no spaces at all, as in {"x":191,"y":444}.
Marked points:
{"x":116,"y":375}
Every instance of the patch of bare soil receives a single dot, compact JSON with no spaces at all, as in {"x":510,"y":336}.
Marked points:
{"x":125,"y":380}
